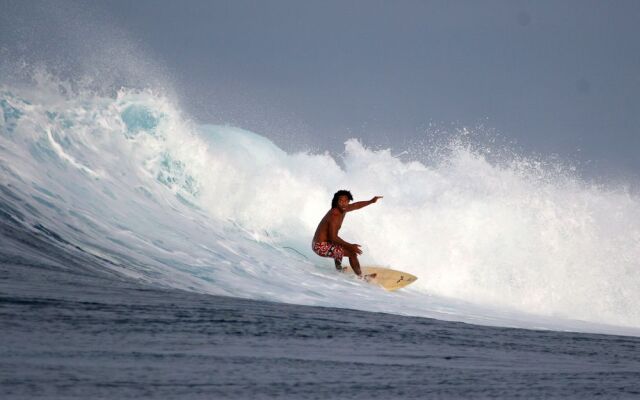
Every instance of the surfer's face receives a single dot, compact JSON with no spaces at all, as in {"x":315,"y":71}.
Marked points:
{"x":343,"y":202}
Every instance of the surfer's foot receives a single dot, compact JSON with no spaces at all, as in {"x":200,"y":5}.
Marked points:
{"x":339,"y":266}
{"x":369,"y":277}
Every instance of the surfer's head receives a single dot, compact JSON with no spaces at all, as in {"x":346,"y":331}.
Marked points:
{"x":341,"y":199}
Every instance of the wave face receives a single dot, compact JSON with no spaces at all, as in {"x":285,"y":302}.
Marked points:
{"x":221,"y":210}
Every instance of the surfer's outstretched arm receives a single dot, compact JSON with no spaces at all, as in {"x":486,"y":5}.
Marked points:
{"x":359,"y":204}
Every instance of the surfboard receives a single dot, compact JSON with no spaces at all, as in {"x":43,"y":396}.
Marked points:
{"x":389,"y":279}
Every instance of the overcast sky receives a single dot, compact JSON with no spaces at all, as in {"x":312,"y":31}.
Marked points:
{"x":556,"y":76}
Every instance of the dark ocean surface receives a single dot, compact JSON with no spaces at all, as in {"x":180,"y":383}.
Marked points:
{"x":68,"y":330}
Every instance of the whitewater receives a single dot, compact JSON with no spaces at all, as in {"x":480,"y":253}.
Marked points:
{"x":133,"y":181}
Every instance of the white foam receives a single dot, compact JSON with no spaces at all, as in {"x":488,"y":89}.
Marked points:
{"x":221,"y":210}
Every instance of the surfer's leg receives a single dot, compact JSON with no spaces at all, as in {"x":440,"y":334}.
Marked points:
{"x":337,"y":252}
{"x":353,"y":261}
{"x":355,"y":265}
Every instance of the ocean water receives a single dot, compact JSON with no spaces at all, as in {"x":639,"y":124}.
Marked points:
{"x":146,"y":254}
{"x":71,"y":330}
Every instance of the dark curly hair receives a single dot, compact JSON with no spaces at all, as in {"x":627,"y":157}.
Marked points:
{"x":336,"y":196}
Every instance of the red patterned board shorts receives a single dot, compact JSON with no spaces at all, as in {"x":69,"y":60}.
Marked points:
{"x":328,"y":249}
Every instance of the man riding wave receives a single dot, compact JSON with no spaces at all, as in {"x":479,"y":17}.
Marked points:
{"x":327,"y":243}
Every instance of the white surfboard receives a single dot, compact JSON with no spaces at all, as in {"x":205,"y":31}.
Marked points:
{"x":389,"y":279}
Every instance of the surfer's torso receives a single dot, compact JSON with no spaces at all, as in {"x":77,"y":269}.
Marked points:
{"x":322,"y":232}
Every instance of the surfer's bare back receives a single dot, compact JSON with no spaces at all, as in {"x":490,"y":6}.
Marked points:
{"x":327,"y":243}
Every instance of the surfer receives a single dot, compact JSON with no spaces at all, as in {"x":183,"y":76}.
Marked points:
{"x":327,"y":243}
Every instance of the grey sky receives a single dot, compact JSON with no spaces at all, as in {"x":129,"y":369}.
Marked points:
{"x":557,"y":76}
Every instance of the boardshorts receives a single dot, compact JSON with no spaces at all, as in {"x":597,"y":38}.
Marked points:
{"x":328,"y":249}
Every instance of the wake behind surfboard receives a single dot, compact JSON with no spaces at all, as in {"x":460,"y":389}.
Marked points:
{"x":389,"y":279}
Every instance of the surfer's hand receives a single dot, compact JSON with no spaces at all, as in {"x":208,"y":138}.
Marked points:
{"x":356,"y":248}
{"x":375,"y":198}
